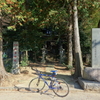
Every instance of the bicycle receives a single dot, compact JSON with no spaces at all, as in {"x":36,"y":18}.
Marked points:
{"x":58,"y":85}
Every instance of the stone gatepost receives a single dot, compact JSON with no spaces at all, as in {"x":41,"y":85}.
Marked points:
{"x":96,"y":48}
{"x":62,"y":53}
{"x":91,"y":75}
{"x":15,"y":68}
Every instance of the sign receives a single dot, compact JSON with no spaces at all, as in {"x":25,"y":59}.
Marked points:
{"x":15,"y":67}
{"x":96,"y":47}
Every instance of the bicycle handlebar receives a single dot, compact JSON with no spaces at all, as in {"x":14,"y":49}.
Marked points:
{"x":33,"y":69}
{"x":38,"y":72}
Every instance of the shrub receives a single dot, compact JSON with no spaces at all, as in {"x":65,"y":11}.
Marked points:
{"x":8,"y":64}
{"x":69,"y":67}
{"x":24,"y":62}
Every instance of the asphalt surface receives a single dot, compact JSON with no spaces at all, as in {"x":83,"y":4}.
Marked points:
{"x":16,"y":95}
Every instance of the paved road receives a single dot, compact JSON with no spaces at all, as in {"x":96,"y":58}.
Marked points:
{"x":16,"y":95}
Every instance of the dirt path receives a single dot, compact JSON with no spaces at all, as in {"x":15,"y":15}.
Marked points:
{"x":27,"y":73}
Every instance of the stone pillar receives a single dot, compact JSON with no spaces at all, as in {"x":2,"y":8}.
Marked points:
{"x":96,"y":47}
{"x":62,"y":51}
{"x":88,"y":58}
{"x":43,"y":55}
{"x":15,"y":67}
{"x":91,"y":75}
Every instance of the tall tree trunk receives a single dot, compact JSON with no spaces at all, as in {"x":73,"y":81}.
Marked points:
{"x":78,"y":55}
{"x":3,"y":73}
{"x":2,"y":69}
{"x":70,"y":53}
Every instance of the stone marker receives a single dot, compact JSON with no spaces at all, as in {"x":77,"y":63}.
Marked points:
{"x":62,"y":54}
{"x":93,"y":74}
{"x":89,"y":85}
{"x":15,"y":67}
{"x":43,"y":55}
{"x":96,"y":48}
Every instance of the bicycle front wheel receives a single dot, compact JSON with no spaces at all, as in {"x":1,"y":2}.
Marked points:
{"x":61,"y":87}
{"x":36,"y":84}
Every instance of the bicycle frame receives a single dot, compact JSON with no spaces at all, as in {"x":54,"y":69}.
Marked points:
{"x":56,"y":84}
{"x":49,"y":86}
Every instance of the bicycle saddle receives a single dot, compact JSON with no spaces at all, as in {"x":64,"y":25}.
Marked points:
{"x":54,"y":71}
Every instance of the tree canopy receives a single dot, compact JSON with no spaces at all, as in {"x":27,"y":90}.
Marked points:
{"x":26,"y":20}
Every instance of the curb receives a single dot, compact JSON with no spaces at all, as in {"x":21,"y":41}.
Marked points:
{"x":8,"y":89}
{"x":15,"y":88}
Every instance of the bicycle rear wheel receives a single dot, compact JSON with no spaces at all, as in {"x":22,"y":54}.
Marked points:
{"x":61,"y":87}
{"x":36,"y":84}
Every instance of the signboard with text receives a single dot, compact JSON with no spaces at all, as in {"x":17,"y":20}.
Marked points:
{"x":15,"y":67}
{"x":96,"y":47}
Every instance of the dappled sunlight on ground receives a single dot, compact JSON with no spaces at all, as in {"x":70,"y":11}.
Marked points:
{"x":28,"y":74}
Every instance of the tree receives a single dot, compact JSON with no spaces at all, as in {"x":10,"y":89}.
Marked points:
{"x":4,"y":76}
{"x":70,"y":34}
{"x":38,"y":14}
{"x":2,"y":70}
{"x":88,"y":16}
{"x":77,"y":54}
{"x":5,"y":10}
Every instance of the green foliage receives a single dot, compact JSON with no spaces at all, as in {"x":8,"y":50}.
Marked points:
{"x":88,"y":19}
{"x":7,"y":64}
{"x":28,"y":18}
{"x":4,"y":56}
{"x":24,"y":62}
{"x":69,"y":67}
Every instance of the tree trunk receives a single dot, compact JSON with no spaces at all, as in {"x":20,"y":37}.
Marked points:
{"x":70,"y":53}
{"x":2,"y":69}
{"x":78,"y":55}
{"x":3,"y":74}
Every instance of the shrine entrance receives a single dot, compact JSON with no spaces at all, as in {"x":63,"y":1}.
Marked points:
{"x":53,"y":52}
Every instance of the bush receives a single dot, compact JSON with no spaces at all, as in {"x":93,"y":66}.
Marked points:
{"x":24,"y":62}
{"x":69,"y":67}
{"x":8,"y":64}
